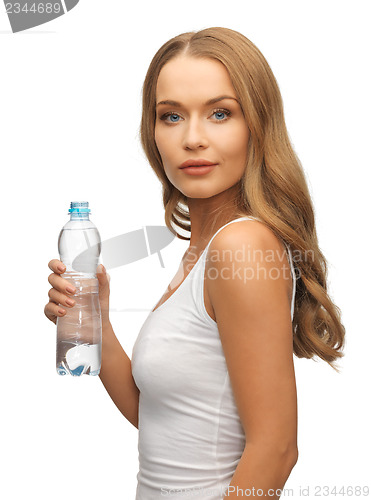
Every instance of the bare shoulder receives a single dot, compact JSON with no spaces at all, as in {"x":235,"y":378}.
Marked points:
{"x":245,"y":251}
{"x":248,"y":232}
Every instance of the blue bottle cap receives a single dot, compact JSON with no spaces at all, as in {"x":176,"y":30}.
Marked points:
{"x":79,"y":207}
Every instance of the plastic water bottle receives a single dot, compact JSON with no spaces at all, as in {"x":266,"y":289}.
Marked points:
{"x":79,"y":331}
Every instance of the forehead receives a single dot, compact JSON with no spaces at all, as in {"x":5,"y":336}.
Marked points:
{"x":189,"y":77}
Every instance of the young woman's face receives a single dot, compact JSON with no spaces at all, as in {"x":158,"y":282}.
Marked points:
{"x":191,"y":128}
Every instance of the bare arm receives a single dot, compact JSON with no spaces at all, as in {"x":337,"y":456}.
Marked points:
{"x":116,"y":376}
{"x":252,"y":309}
{"x":115,"y":372}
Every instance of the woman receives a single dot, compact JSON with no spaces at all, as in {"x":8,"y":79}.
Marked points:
{"x":211,"y":384}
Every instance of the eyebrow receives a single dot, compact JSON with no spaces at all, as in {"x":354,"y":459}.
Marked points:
{"x":207,"y":103}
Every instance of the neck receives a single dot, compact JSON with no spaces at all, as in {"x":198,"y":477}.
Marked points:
{"x":209,"y":214}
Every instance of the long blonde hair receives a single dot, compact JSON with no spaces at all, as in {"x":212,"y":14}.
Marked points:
{"x":273,"y":187}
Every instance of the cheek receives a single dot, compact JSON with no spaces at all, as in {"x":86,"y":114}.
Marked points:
{"x":165,"y":146}
{"x":234,"y":144}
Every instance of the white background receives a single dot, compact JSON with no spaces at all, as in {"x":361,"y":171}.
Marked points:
{"x":70,"y":107}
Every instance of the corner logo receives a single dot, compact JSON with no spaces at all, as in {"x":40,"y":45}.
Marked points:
{"x":24,"y":15}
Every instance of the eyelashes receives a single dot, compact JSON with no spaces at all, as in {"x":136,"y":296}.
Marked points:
{"x":219,"y":111}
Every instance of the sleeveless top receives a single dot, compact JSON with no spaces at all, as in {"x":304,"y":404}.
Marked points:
{"x":190,"y":438}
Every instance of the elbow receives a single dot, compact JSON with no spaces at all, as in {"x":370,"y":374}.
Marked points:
{"x":286,"y":460}
{"x":293,"y":456}
{"x":134,"y":420}
{"x":288,"y":451}
{"x":284,"y":455}
{"x":289,"y":457}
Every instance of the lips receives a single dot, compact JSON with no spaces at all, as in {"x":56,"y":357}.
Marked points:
{"x":197,"y":163}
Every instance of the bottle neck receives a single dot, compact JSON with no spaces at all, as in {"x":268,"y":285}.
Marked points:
{"x":79,"y":216}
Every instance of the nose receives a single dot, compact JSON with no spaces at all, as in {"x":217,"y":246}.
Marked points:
{"x":195,"y":135}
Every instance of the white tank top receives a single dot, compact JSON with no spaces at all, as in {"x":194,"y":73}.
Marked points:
{"x":190,"y":436}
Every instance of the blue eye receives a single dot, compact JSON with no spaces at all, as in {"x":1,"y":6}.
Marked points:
{"x":173,"y":115}
{"x":219,"y":114}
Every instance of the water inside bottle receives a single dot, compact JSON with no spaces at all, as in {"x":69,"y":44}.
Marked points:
{"x":79,"y":331}
{"x":78,"y":359}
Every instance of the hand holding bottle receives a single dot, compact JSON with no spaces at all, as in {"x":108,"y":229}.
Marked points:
{"x":61,"y":295}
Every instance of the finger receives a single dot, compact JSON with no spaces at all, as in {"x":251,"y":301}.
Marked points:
{"x":52,"y":311}
{"x":60,"y":298}
{"x":61,"y":284}
{"x":57,"y":266}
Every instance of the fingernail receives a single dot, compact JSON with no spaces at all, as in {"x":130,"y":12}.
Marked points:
{"x":61,"y":268}
{"x":101,"y":269}
{"x":70,"y":289}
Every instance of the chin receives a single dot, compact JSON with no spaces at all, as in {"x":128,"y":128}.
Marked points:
{"x":201,"y":192}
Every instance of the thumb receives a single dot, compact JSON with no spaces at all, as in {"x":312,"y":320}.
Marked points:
{"x":103,"y":277}
{"x":104,"y":289}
